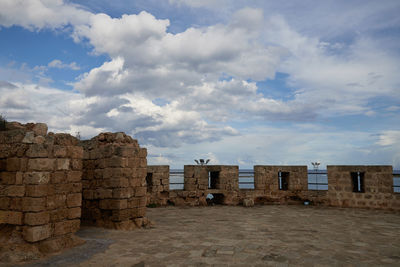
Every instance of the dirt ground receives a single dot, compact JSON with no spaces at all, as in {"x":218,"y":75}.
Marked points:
{"x":239,"y":236}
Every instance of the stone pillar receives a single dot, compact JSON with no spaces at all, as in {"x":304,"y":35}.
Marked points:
{"x":114,"y":181}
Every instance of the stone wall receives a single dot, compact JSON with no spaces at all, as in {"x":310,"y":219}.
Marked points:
{"x":157,"y":181}
{"x":280,"y":183}
{"x":222,"y":181}
{"x":40,"y":184}
{"x":114,"y":182}
{"x":374,"y":191}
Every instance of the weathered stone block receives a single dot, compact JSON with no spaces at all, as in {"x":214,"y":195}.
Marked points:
{"x":36,"y":177}
{"x":13,"y":164}
{"x":15,"y":190}
{"x":59,"y":151}
{"x":58,"y":215}
{"x":74,"y":176}
{"x":56,"y":201}
{"x":75,"y":152}
{"x":41,"y":164}
{"x":36,"y":218}
{"x":37,"y":151}
{"x":36,"y":233}
{"x":110,"y":204}
{"x":10,"y":217}
{"x":74,"y":200}
{"x":40,"y":190}
{"x":62,"y":164}
{"x":74,"y":213}
{"x":65,"y":227}
{"x":33,"y":204}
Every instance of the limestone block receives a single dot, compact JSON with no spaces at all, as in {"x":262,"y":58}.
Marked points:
{"x":74,"y":213}
{"x":36,"y":218}
{"x":29,"y":138}
{"x":110,"y":204}
{"x":74,"y":200}
{"x":248,"y":202}
{"x":4,"y":203}
{"x":56,"y":201}
{"x":74,"y":176}
{"x":41,"y":164}
{"x":103,"y":193}
{"x":58,"y":215}
{"x":13,"y":164}
{"x":8,"y":177}
{"x":11,"y":217}
{"x":140,"y":191}
{"x":76,"y":164}
{"x":121,"y":215}
{"x":65,"y":227}
{"x":36,"y":177}
{"x":122,"y":192}
{"x":33,"y":204}
{"x":59,"y":151}
{"x":75,"y":152}
{"x":40,"y":129}
{"x":62,"y":164}
{"x":37,"y":190}
{"x":15,"y":190}
{"x":36,"y":233}
{"x":37,"y":151}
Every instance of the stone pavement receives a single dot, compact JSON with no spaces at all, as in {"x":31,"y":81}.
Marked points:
{"x":238,"y":236}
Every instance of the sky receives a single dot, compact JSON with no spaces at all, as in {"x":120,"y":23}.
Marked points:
{"x":237,"y":82}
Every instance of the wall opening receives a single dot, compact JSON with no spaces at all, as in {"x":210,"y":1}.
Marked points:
{"x":215,"y":199}
{"x":283,"y":180}
{"x":213,"y":178}
{"x":149,"y":181}
{"x":357,"y":179}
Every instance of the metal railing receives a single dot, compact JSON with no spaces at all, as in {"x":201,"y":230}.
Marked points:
{"x":317,"y":180}
{"x":246,"y":179}
{"x":176,"y":180}
{"x":396,"y":181}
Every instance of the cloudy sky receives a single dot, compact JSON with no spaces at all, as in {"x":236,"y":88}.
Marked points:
{"x":239,"y":82}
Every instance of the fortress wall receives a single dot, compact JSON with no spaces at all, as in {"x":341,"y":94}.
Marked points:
{"x":114,"y":182}
{"x":362,"y":187}
{"x":40,"y":185}
{"x":157,"y":181}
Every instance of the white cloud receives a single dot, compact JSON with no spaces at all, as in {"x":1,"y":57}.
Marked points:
{"x":56,"y":63}
{"x":40,"y":14}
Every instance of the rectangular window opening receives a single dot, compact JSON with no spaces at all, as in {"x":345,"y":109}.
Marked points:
{"x":213,"y":180}
{"x":283,"y":180}
{"x":149,"y":181}
{"x":357,"y":179}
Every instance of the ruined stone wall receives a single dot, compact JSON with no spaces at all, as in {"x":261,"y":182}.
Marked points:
{"x":157,"y":181}
{"x":40,"y":184}
{"x":114,"y":182}
{"x":267,"y":185}
{"x":376,"y":187}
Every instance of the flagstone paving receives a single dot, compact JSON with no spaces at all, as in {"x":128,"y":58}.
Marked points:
{"x":238,"y":236}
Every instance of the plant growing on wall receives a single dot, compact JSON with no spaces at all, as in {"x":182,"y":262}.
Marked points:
{"x":3,"y":123}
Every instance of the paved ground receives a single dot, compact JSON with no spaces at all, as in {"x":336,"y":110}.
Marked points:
{"x":238,"y":236}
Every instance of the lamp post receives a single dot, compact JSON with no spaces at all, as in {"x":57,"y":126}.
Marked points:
{"x":316,"y":165}
{"x":202,"y":162}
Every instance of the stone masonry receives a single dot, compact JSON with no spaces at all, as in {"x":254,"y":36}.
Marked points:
{"x":157,"y":181}
{"x":40,"y":184}
{"x":280,"y":183}
{"x":374,"y":191}
{"x":222,"y":181}
{"x":114,"y":182}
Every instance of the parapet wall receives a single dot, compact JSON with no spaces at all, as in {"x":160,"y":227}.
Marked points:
{"x":362,"y":186}
{"x":114,"y":182}
{"x":282,"y":185}
{"x":157,"y":181}
{"x":40,"y":184}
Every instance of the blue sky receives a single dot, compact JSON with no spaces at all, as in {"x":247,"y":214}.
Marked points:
{"x":239,"y":82}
